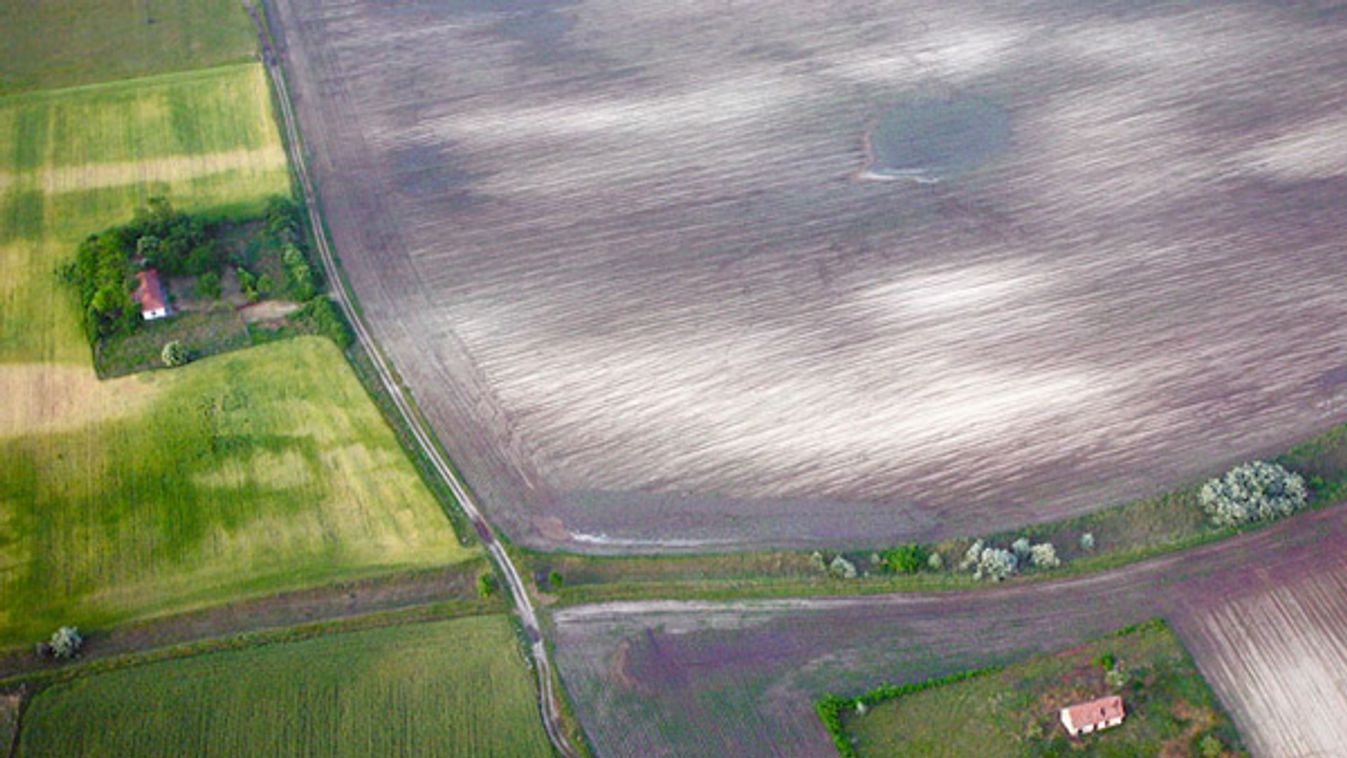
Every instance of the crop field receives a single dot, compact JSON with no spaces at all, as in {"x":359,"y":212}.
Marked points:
{"x":243,"y":474}
{"x":1273,"y":643}
{"x":1015,"y":710}
{"x":58,"y":43}
{"x":439,"y":689}
{"x":75,"y":161}
{"x":662,"y":678}
{"x":659,"y":269}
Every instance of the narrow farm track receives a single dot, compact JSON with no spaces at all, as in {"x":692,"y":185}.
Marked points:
{"x":548,"y":705}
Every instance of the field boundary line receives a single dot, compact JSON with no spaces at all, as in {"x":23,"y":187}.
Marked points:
{"x":547,"y":699}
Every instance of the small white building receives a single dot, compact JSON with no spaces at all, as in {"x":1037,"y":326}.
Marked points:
{"x":150,"y":295}
{"x":1084,"y":718}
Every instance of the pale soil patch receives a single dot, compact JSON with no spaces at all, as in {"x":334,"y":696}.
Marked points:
{"x":267,"y":310}
{"x":55,"y":398}
{"x":57,"y":179}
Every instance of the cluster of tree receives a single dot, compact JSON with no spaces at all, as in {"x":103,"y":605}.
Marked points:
{"x":284,"y":224}
{"x":323,"y":317}
{"x":999,"y":564}
{"x":170,"y":240}
{"x":1249,"y":492}
{"x":253,"y":287}
{"x":838,"y":567}
{"x":102,"y":275}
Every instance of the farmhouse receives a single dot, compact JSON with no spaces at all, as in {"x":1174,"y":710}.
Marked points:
{"x":1084,"y":718}
{"x":150,"y":295}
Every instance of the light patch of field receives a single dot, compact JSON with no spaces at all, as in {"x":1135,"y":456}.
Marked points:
{"x":1278,"y":659}
{"x":59,"y":43}
{"x":79,"y":160}
{"x":458,"y":687}
{"x":49,"y":398}
{"x":240,"y":475}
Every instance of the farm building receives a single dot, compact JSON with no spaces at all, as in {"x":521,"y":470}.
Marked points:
{"x":1084,"y":718}
{"x":150,"y":295}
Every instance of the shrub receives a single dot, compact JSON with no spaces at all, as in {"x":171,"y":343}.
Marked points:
{"x":971,"y":556}
{"x":1020,"y":548}
{"x":174,"y":354}
{"x":996,"y":564}
{"x":841,"y":568}
{"x":817,"y":560}
{"x":323,"y":317}
{"x":554,"y":579}
{"x":65,"y":643}
{"x":208,"y":286}
{"x":1044,"y":556}
{"x":1116,"y":678}
{"x":1257,"y":491}
{"x":906,"y":559}
{"x":1210,"y":747}
{"x":1087,"y":541}
{"x":935,"y":562}
{"x":486,"y":584}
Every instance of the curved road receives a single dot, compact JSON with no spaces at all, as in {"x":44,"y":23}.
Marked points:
{"x":523,"y":604}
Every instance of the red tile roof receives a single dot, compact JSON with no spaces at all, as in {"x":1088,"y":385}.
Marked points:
{"x":1096,"y":711}
{"x":149,"y":292}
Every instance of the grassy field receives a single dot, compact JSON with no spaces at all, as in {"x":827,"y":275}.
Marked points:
{"x":247,"y":473}
{"x":59,"y":43}
{"x":1014,"y":711}
{"x":449,"y":688}
{"x":75,"y":161}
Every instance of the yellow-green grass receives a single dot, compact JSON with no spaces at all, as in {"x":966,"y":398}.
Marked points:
{"x":449,"y":688}
{"x":1015,"y":711}
{"x":75,"y":161}
{"x":243,"y":474}
{"x":59,"y":43}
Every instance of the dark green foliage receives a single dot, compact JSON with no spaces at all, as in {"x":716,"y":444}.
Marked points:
{"x":486,"y":584}
{"x":102,"y":275}
{"x":169,"y":240}
{"x":906,"y":559}
{"x":208,"y":286}
{"x":1106,"y":661}
{"x":247,"y":283}
{"x":283,"y":219}
{"x":300,"y":281}
{"x":323,"y":317}
{"x":554,"y":579}
{"x":264,"y":285}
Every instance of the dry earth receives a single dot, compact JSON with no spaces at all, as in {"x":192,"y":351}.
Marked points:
{"x":622,"y":253}
{"x":692,"y":679}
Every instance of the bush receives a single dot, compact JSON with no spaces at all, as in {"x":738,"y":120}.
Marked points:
{"x":66,"y":643}
{"x":1210,"y":747}
{"x":1020,"y":548}
{"x":174,"y":354}
{"x":906,"y":559}
{"x":972,"y":556}
{"x":208,"y":286}
{"x":554,"y":579}
{"x":995,"y":564}
{"x":486,"y":584}
{"x":841,"y":568}
{"x":323,"y":317}
{"x":817,"y":560}
{"x":1087,"y":541}
{"x":1257,"y":491}
{"x":1044,"y":556}
{"x":935,"y":562}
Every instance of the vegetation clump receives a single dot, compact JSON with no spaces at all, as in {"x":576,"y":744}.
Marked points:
{"x":907,"y":559}
{"x":64,"y":645}
{"x":998,"y":564}
{"x":174,"y":354}
{"x":1250,"y":492}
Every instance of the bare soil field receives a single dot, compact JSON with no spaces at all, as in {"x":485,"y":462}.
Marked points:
{"x":627,"y":257}
{"x":689,"y":679}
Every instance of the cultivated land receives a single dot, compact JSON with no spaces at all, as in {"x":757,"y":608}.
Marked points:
{"x":244,"y":474}
{"x":445,"y":689}
{"x":676,"y":678}
{"x":57,"y":43}
{"x":621,"y":255}
{"x":1015,"y":710}
{"x":1274,"y":646}
{"x":253,"y":473}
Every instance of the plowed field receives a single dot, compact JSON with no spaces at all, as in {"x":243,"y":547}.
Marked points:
{"x":624,"y":255}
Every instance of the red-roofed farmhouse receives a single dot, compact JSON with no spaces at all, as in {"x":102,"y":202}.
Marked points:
{"x":150,"y":295}
{"x":1084,"y":718}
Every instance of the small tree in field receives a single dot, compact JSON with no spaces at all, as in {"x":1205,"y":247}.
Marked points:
{"x":1044,"y":556}
{"x":486,"y":584}
{"x":1087,"y":541}
{"x":1257,"y":491}
{"x":935,"y":562}
{"x":841,"y":568}
{"x":66,"y":643}
{"x":996,"y":564}
{"x":174,"y":354}
{"x":906,"y":559}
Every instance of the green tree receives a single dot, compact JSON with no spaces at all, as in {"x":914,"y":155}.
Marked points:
{"x":66,"y":643}
{"x":486,"y":584}
{"x":174,"y":354}
{"x":906,"y":559}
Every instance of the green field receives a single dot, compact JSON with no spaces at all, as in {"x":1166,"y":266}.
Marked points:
{"x":439,"y":689}
{"x":1014,"y":711}
{"x":75,"y":161}
{"x":249,"y":473}
{"x":246,"y":473}
{"x":59,"y":43}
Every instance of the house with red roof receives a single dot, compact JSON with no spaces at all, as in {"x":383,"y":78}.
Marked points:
{"x":150,"y":294}
{"x":1084,"y":718}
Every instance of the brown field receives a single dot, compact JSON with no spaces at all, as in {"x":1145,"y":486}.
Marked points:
{"x":691,"y":679}
{"x":1275,"y":650}
{"x":623,"y":256}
